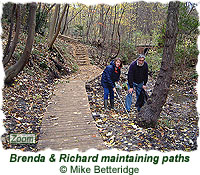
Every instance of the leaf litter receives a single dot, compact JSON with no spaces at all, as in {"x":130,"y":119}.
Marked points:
{"x":26,"y":100}
{"x":177,"y":127}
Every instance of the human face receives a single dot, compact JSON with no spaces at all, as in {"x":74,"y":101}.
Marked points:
{"x":140,"y":61}
{"x":117,"y":63}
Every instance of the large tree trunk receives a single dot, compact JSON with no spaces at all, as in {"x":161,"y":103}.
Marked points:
{"x":12,"y":71}
{"x":150,"y":112}
{"x":15,"y":40}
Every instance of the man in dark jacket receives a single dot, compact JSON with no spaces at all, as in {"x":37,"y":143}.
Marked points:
{"x":137,"y":78}
{"x":111,"y":75}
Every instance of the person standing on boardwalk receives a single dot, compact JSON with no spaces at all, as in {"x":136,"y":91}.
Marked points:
{"x":137,"y":79}
{"x":110,"y":75}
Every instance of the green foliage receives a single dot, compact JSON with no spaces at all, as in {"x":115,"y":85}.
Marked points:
{"x":42,"y":19}
{"x":127,"y":51}
{"x":154,"y":59}
{"x":7,"y":8}
{"x":92,"y":62}
{"x":43,"y":65}
{"x":37,"y":42}
{"x":75,"y":67}
{"x":78,"y":30}
{"x":188,"y":22}
{"x":17,"y":55}
{"x":159,"y":36}
{"x":194,"y":75}
{"x":39,"y":39}
{"x":186,"y":50}
{"x":186,"y":47}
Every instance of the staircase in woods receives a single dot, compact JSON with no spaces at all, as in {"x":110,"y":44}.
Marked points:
{"x":80,"y":51}
{"x":68,"y":122}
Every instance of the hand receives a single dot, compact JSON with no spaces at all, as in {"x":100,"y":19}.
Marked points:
{"x":118,"y":86}
{"x":114,"y":90}
{"x":130,"y":90}
{"x":144,"y":87}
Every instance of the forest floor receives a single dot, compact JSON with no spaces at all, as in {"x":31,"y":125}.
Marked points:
{"x":177,"y":128}
{"x":26,"y":99}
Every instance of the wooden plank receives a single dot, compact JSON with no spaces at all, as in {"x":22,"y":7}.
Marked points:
{"x":69,"y":120}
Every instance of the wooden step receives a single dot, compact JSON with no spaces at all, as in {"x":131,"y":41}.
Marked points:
{"x":82,"y":57}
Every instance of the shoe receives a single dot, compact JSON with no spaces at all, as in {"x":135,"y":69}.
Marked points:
{"x":112,"y":103}
{"x":106,"y":105}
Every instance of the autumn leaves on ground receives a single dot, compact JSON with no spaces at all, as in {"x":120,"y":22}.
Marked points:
{"x":26,"y":98}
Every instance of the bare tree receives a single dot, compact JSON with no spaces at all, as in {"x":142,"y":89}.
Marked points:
{"x":66,"y":18}
{"x":118,"y":33}
{"x":112,"y":56}
{"x":13,"y":71}
{"x":15,"y":40}
{"x":59,"y":26}
{"x":113,"y":31}
{"x":53,"y":23}
{"x":90,"y":21}
{"x":150,"y":112}
{"x":7,"y":48}
{"x":41,"y":18}
{"x":101,"y":14}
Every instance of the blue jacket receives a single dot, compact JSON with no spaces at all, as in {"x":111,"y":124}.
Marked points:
{"x":110,"y":75}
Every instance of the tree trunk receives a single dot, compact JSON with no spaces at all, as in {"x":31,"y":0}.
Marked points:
{"x":59,"y":26}
{"x":12,"y":71}
{"x":150,"y":112}
{"x":113,"y":31}
{"x":118,"y":32}
{"x":41,"y":18}
{"x":89,"y":23}
{"x":38,"y":18}
{"x":73,"y":16}
{"x":104,"y":23}
{"x":15,"y":40}
{"x":7,"y":48}
{"x":53,"y":23}
{"x":58,"y":17}
{"x":64,"y":27}
{"x":101,"y":21}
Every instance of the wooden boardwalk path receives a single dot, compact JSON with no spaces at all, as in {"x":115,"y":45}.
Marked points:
{"x":68,"y":122}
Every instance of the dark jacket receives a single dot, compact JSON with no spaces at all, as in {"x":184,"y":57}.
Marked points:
{"x":110,"y":75}
{"x":142,"y":98}
{"x":137,"y":74}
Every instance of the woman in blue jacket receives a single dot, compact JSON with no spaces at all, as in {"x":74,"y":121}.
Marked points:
{"x":111,"y":75}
